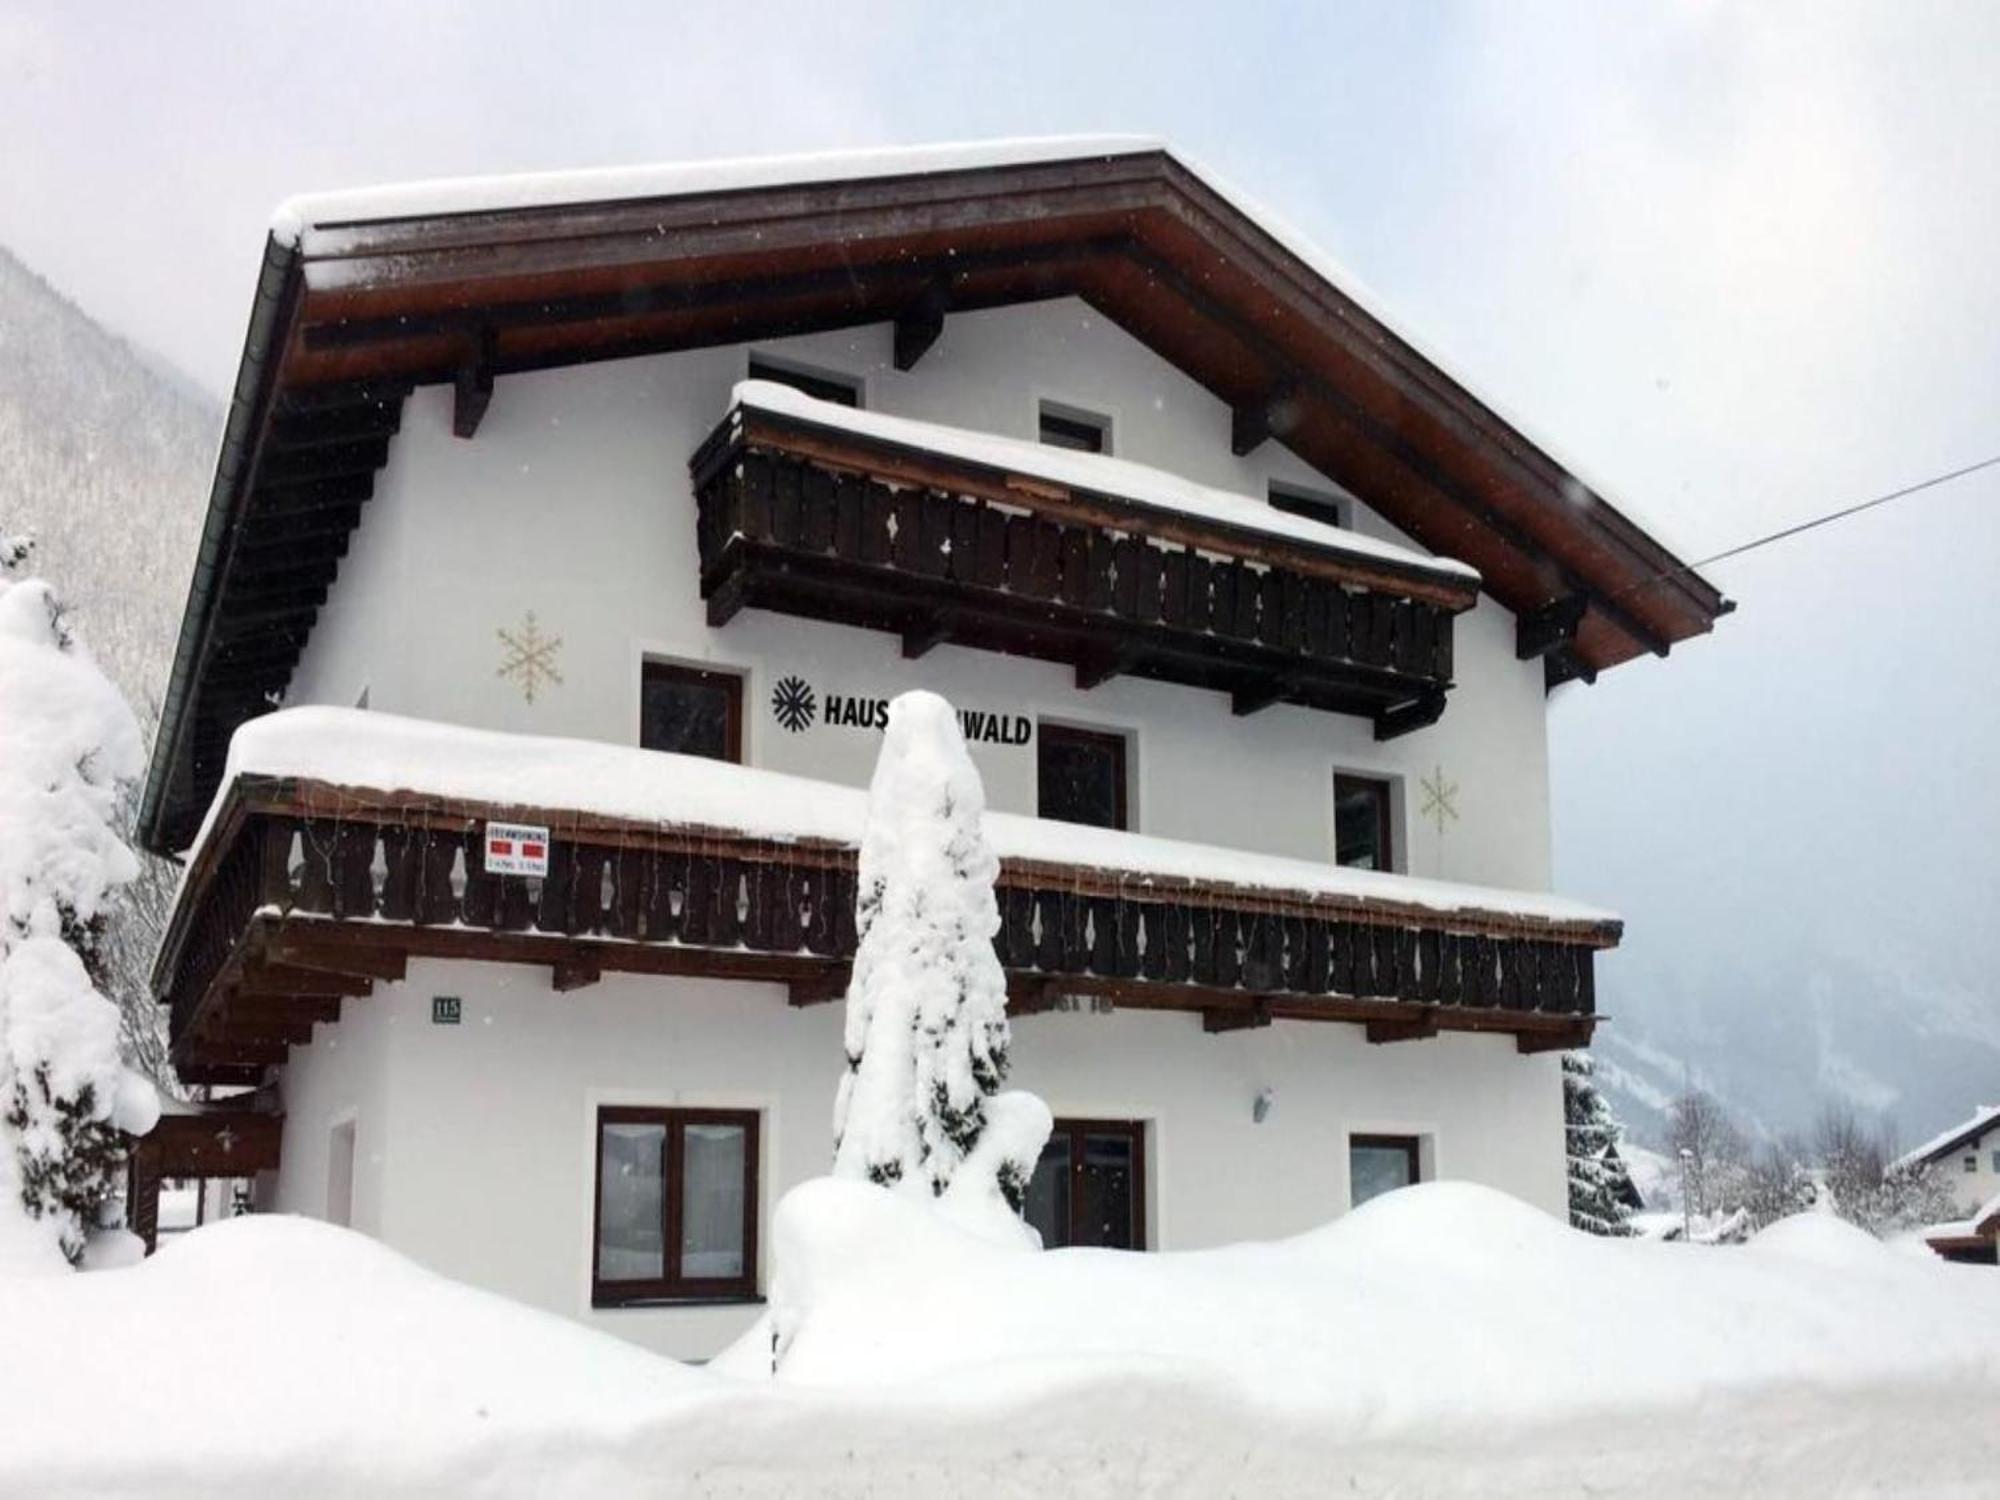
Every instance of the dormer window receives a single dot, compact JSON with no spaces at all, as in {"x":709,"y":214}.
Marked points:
{"x":821,"y":385}
{"x":1312,"y":504}
{"x":1074,"y":428}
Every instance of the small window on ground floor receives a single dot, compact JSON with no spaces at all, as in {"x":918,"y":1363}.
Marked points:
{"x":676,"y":1206}
{"x":1080,"y":776}
{"x":691,"y":711}
{"x":1378,"y":1164}
{"x":1361,"y":838}
{"x":1090,"y":1186}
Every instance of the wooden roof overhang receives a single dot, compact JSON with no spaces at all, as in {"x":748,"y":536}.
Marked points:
{"x":303,"y":895}
{"x":349,"y":319}
{"x":235,"y":1138}
{"x":815,"y":519}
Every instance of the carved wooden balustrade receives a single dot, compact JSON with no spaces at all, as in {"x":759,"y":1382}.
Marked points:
{"x":826,"y":523}
{"x":305,"y":895}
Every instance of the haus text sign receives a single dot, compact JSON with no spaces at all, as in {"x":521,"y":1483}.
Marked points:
{"x":516,"y":849}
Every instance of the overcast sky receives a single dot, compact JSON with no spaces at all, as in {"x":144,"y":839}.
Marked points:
{"x":1741,"y":263}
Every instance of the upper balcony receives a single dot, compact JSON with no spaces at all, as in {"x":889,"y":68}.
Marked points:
{"x":943,"y":535}
{"x":346,"y":843}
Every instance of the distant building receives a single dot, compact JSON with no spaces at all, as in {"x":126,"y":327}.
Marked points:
{"x":624,"y":502}
{"x":1967,"y":1158}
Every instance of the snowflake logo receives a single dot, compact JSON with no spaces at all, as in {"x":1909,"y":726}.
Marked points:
{"x":529,"y":657}
{"x":1439,"y":799}
{"x":793,"y":702}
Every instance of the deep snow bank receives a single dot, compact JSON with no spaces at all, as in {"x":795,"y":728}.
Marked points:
{"x":1443,"y":1306}
{"x":1441,"y":1341}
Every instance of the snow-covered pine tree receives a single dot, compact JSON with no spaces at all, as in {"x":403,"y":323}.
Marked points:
{"x":1600,"y":1188}
{"x":920,"y":1106}
{"x":68,"y":742}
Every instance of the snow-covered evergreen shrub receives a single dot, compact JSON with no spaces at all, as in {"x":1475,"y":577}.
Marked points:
{"x":1600,"y":1188}
{"x":67,"y":745}
{"x":920,"y":1105}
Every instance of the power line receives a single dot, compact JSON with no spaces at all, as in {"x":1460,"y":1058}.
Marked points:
{"x":1826,"y":520}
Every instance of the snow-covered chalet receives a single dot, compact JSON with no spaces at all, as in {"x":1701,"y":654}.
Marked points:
{"x":568,"y":538}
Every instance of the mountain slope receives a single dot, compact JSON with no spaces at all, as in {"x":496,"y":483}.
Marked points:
{"x":104,"y":459}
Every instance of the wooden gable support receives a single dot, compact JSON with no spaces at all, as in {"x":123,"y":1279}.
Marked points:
{"x":472,"y":389}
{"x":1096,"y":669}
{"x":1550,"y":628}
{"x":1406,"y":718}
{"x":1564,"y":665}
{"x":1274,"y":414}
{"x":918,"y":327}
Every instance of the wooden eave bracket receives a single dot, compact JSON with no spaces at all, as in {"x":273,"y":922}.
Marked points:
{"x":1564,"y":664}
{"x":1527,"y":1043}
{"x":1094,"y":669}
{"x":1410,"y":1029}
{"x":931,"y":630}
{"x":575,"y":973}
{"x":918,"y":327}
{"x":1260,"y":696}
{"x":1407,"y":718}
{"x":1541,"y":632}
{"x":821,"y":991}
{"x":1257,"y":1013}
{"x":1274,"y":414}
{"x":472,"y":388}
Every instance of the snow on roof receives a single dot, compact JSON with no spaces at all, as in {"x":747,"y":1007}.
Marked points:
{"x":298,"y":219}
{"x":1096,"y":472}
{"x":313,"y":221}
{"x":1983,"y":1119}
{"x":383,"y":752}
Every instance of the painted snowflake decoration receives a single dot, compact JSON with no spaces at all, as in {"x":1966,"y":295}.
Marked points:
{"x":1440,"y":797}
{"x":793,"y":702}
{"x":529,"y":657}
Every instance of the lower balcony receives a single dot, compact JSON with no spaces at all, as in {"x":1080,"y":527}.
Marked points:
{"x":307,"y":890}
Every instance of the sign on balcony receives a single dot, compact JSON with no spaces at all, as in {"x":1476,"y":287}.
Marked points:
{"x":517,"y":849}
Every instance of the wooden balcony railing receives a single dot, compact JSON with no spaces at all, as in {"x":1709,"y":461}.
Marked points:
{"x":304,"y":895}
{"x":823,"y":522}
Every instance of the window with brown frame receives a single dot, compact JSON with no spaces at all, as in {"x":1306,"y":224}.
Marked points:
{"x":1080,"y":776}
{"x":676,"y":1206}
{"x":1361,"y":823}
{"x":1089,"y":1187}
{"x":1378,"y":1164}
{"x":691,"y":711}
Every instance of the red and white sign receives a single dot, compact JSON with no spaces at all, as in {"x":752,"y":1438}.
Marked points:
{"x":516,"y":849}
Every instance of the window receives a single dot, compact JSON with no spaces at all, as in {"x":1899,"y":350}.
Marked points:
{"x":1324,"y":509}
{"x":1089,"y":1188}
{"x":1996,"y":1161}
{"x":1071,"y":427}
{"x":340,"y":1175}
{"x":676,"y":1206}
{"x":1361,"y":823}
{"x":843,"y":390}
{"x":1378,"y":1164}
{"x":691,"y":711}
{"x":1080,"y":776}
{"x":1972,"y":1164}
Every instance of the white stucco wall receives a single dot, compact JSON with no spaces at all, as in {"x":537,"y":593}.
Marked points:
{"x":1975,"y":1189}
{"x":574,"y":502}
{"x":478,"y":1142}
{"x":474,"y":1144}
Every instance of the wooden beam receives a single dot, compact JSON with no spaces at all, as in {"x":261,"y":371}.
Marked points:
{"x":933,"y":629}
{"x":575,"y":973}
{"x":1237,"y":1018}
{"x":1406,"y":718}
{"x":820,"y":991}
{"x":283,"y":979}
{"x":1274,"y":414}
{"x":472,"y":388}
{"x":1568,"y":1038}
{"x":1095,"y":668}
{"x":1410,"y":1029}
{"x":917,"y":329}
{"x":1564,"y":665}
{"x":336,"y":957}
{"x":1259,"y":696}
{"x":1549,"y":628}
{"x":1031,"y":995}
